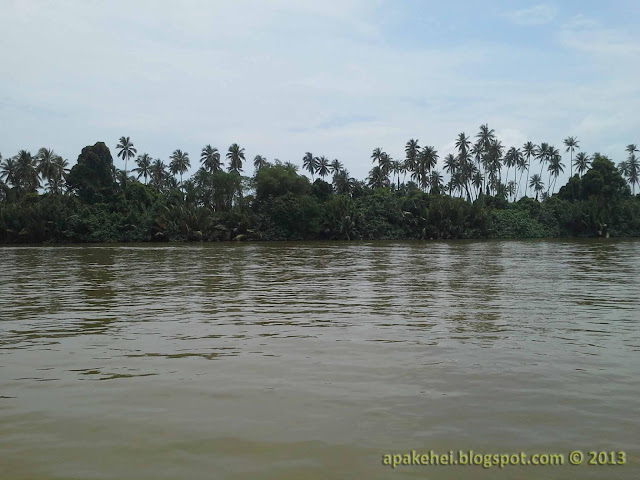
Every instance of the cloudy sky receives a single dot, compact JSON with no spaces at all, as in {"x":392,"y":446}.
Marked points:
{"x":337,"y":78}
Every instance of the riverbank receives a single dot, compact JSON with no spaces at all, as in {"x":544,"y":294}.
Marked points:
{"x":278,"y":203}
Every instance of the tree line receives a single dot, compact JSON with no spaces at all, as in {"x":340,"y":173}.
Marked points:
{"x":490,"y":191}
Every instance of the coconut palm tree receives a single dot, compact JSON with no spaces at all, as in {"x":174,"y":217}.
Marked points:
{"x":342,"y":182}
{"x":46,"y":160}
{"x":323,"y":166}
{"x":158,"y":173}
{"x":126,"y":152}
{"x":259,"y":162}
{"x":144,"y":164}
{"x":376,"y":156}
{"x":631,"y":168}
{"x":8,"y":172}
{"x":210,"y":159}
{"x":412,"y":152}
{"x":572,"y":144}
{"x":555,"y":166}
{"x":435,"y":181}
{"x":336,"y":166}
{"x":536,"y":183}
{"x":542,"y":155}
{"x":463,"y":143}
{"x":310,"y":164}
{"x":582,"y":163}
{"x":377,"y":178}
{"x":235,"y":155}
{"x":477,"y":182}
{"x":27,"y":175}
{"x":58,"y":175}
{"x":529,"y":150}
{"x":511,"y":160}
{"x":451,"y":167}
{"x":386,"y":162}
{"x":180,"y":163}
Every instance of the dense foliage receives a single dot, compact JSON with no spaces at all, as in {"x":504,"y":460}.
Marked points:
{"x":96,"y":202}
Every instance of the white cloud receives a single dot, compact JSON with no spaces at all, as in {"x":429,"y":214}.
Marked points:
{"x":537,"y":15}
{"x":587,"y":35}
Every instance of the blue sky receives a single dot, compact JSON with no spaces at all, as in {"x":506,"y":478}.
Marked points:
{"x":337,"y":78}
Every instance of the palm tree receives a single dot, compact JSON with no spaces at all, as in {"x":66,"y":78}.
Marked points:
{"x":27,"y":175}
{"x":493,"y":164}
{"x":555,"y":166}
{"x":571,"y":143}
{"x":435,"y":181}
{"x":536,"y":183}
{"x":9,"y":172}
{"x":631,"y":168}
{"x":210,"y":158}
{"x":47,"y":159}
{"x":463,"y":144}
{"x":126,"y":152}
{"x":529,"y":150}
{"x":323,"y":166}
{"x":310,"y":164}
{"x":144,"y":164}
{"x":336,"y":166}
{"x":451,"y":167}
{"x":477,"y":182}
{"x":259,"y":162}
{"x":386,"y":162}
{"x":342,"y":182}
{"x":58,"y":175}
{"x":511,"y":160}
{"x":542,"y":155}
{"x":158,"y":173}
{"x":235,"y":154}
{"x":582,"y":163}
{"x":377,"y":155}
{"x":377,"y":178}
{"x":180,"y":163}
{"x":412,"y":152}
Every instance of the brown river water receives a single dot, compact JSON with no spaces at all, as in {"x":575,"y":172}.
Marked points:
{"x":314,"y":360}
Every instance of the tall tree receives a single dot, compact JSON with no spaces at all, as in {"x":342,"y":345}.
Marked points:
{"x":310,"y":164}
{"x":377,"y":178}
{"x":158,"y":173}
{"x":529,"y":150}
{"x":336,"y":166}
{"x":536,"y":183}
{"x":210,"y":159}
{"x":412,"y":152}
{"x":323,"y":166}
{"x":143,"y":163}
{"x":572,"y":144}
{"x":556,"y":167}
{"x":180,"y":163}
{"x":47,"y":160}
{"x":542,"y":155}
{"x":9,"y":171}
{"x":235,"y":155}
{"x":631,"y":168}
{"x":27,"y":172}
{"x":582,"y":163}
{"x":259,"y":162}
{"x":126,"y":152}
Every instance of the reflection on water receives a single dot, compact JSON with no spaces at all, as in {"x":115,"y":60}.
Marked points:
{"x":311,"y":360}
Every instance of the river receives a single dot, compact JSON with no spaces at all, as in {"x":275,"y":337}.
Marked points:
{"x":313,"y":360}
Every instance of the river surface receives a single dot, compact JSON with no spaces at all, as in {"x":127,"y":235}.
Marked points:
{"x":313,"y":360}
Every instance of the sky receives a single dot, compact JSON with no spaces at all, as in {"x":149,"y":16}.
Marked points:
{"x":336,"y":78}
